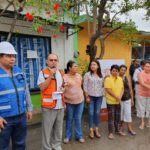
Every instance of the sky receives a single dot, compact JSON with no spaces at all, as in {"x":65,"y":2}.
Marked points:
{"x":137,"y":17}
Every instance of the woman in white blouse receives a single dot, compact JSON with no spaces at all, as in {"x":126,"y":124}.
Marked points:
{"x":93,"y":87}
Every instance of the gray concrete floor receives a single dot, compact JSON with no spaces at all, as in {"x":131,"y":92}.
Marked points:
{"x":139,"y":142}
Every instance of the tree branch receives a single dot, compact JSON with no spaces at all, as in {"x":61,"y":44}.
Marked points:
{"x":16,"y":14}
{"x":100,"y":19}
{"x":113,"y":30}
{"x":101,"y":13}
{"x":2,"y":12}
{"x":102,"y":40}
{"x":113,"y":18}
{"x":12,"y":26}
{"x":94,"y":16}
{"x":9,"y":4}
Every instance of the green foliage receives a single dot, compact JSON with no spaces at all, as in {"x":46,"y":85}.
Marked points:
{"x":73,"y":8}
{"x":55,"y":12}
{"x":83,"y":66}
{"x":147,"y":6}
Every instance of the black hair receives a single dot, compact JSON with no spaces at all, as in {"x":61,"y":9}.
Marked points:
{"x":99,"y":73}
{"x":123,"y":66}
{"x":1,"y":55}
{"x":142,"y":62}
{"x":65,"y":70}
{"x":114,"y":67}
{"x":70,"y":64}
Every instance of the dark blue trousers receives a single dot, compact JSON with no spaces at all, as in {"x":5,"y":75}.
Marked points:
{"x":15,"y":129}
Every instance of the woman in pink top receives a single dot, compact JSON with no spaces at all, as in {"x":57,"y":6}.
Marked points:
{"x":143,"y":101}
{"x":74,"y":100}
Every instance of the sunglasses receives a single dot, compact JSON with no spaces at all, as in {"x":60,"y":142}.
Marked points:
{"x":53,"y":59}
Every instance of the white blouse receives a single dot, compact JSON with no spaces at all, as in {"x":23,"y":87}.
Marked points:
{"x":93,"y":85}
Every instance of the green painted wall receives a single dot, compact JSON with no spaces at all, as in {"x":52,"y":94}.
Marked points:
{"x":36,"y":101}
{"x":75,"y":42}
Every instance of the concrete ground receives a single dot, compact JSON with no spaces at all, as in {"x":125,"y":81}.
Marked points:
{"x":139,"y":142}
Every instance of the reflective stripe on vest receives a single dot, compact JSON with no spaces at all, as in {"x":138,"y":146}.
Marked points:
{"x":10,"y":103}
{"x":11,"y":91}
{"x":46,"y":95}
{"x":5,"y":107}
{"x":47,"y":100}
{"x":7,"y":75}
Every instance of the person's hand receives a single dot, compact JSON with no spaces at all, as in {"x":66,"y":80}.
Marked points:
{"x":87,"y":99}
{"x":132,"y":103}
{"x":29,"y":115}
{"x":65,"y":108}
{"x":2,"y":123}
{"x":62,"y":89}
{"x":65,"y":84}
{"x":53,"y":70}
{"x":118,"y":98}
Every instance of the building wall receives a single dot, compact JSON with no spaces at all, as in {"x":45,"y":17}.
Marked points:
{"x":61,"y":46}
{"x":64,"y":49}
{"x":115,"y":47}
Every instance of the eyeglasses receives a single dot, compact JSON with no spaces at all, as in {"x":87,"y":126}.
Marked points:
{"x":10,"y":55}
{"x":53,"y":59}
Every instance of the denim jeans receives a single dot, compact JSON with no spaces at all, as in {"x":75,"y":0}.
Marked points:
{"x":15,"y":129}
{"x":74,"y":113}
{"x":94,"y":111}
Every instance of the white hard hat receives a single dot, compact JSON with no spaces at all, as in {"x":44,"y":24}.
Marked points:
{"x":7,"y":48}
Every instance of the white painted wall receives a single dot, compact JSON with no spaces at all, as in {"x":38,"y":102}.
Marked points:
{"x":64,"y":49}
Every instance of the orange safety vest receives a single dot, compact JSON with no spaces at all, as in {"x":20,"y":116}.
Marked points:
{"x":46,"y":95}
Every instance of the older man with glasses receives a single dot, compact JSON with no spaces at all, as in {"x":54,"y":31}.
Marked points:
{"x":50,"y":82}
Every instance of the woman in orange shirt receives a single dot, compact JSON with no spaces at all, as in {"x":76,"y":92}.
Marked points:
{"x":143,"y":101}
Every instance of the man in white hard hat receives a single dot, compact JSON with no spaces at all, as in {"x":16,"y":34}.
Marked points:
{"x":15,"y":101}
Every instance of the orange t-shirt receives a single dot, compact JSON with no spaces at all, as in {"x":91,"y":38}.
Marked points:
{"x":143,"y":91}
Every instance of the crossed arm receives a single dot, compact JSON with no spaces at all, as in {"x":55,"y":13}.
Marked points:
{"x":110,"y":92}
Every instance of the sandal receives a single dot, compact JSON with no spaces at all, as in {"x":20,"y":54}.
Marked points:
{"x":131,"y":132}
{"x":66,"y":141}
{"x":91,"y":134}
{"x":81,"y":140}
{"x":97,"y":134}
{"x":121,"y":133}
{"x":111,"y":136}
{"x":141,"y":126}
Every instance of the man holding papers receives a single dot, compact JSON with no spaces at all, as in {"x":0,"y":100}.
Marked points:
{"x":50,"y":82}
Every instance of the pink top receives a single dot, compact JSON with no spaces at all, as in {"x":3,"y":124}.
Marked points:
{"x":73,"y":92}
{"x":143,"y":91}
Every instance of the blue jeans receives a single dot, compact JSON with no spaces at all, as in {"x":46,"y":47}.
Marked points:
{"x":74,"y":113}
{"x":94,"y":111}
{"x":15,"y":129}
